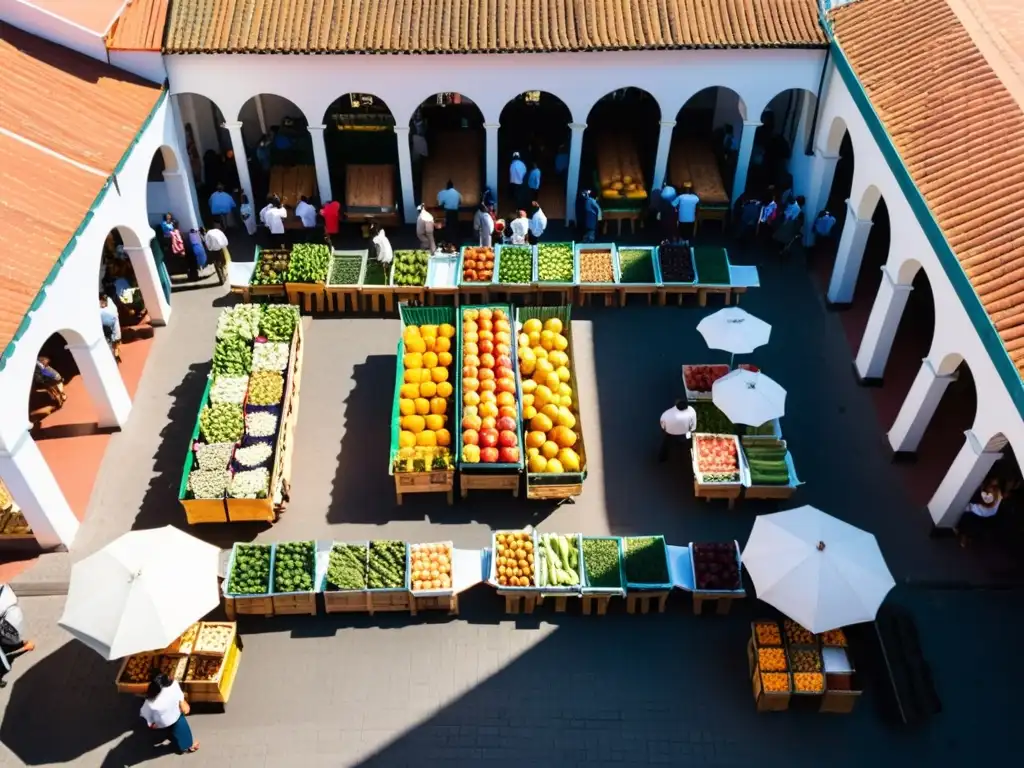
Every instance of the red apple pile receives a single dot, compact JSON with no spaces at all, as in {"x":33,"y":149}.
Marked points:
{"x":699,"y":378}
{"x":717,"y":455}
{"x":490,"y":412}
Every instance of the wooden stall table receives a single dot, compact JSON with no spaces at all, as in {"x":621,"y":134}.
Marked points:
{"x":454,"y":156}
{"x":448,"y":603}
{"x":370,"y":195}
{"x":617,"y":161}
{"x":644,"y":599}
{"x":291,"y":183}
{"x":598,"y":602}
{"x":692,"y":160}
{"x":472,"y":481}
{"x":308,"y":297}
{"x":520,"y":600}
{"x":424,"y":482}
{"x":723,"y":601}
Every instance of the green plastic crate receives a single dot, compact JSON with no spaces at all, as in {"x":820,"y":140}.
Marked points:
{"x":190,"y":457}
{"x":709,"y":264}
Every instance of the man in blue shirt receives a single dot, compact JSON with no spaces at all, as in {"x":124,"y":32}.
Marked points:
{"x":516,"y":177}
{"x":823,"y":226}
{"x":221,"y":206}
{"x":533,"y":181}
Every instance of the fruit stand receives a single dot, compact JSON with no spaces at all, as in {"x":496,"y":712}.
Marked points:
{"x":555,"y":275}
{"x":421,"y":459}
{"x":269,"y":274}
{"x":679,"y":274}
{"x":409,"y":275}
{"x":370,"y":194}
{"x":639,"y":272}
{"x":344,"y":279}
{"x":476,"y":273}
{"x":489,"y":432}
{"x":694,"y":161}
{"x":454,"y":156}
{"x":718,"y":467}
{"x":621,"y":181}
{"x":597,"y":272}
{"x":308,"y":269}
{"x":516,"y":277}
{"x":645,"y":566}
{"x":556,"y":459}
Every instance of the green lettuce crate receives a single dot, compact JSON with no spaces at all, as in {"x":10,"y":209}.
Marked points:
{"x":709,"y":264}
{"x":567,"y":484}
{"x":199,"y":510}
{"x":497,"y":467}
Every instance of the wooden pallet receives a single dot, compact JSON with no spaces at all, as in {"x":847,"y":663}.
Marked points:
{"x":205,"y":511}
{"x":471,"y":481}
{"x":257,"y":605}
{"x":643,"y":600}
{"x":309,"y":297}
{"x":711,"y":491}
{"x":342,"y":298}
{"x":300,"y":605}
{"x":449,"y":603}
{"x":561,"y":601}
{"x":355,"y":601}
{"x":425,"y":482}
{"x":520,"y":601}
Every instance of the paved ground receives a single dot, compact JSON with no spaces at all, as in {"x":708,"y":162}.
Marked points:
{"x":389,"y":691}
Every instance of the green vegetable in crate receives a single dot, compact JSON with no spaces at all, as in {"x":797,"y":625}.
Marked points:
{"x":294,"y":566}
{"x":271,"y":268}
{"x":635,"y":266}
{"x":221,"y":423}
{"x":410,"y":268}
{"x":278,"y":321}
{"x":266,"y":388}
{"x":232,"y":356}
{"x":346,"y":568}
{"x":309,"y":263}
{"x":376,"y":273}
{"x":387,"y":565}
{"x":601,"y":559}
{"x":554,"y":263}
{"x":345,"y":270}
{"x":515,"y":264}
{"x":241,"y":321}
{"x":250,"y":571}
{"x":646,"y":560}
{"x":710,"y":419}
{"x":559,"y":561}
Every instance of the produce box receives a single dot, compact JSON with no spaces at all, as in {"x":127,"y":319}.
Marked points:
{"x":712,"y":265}
{"x":183,"y":643}
{"x":376,"y":275}
{"x":598,"y":269}
{"x":770,"y":429}
{"x":309,"y":264}
{"x":645,"y":563}
{"x":443,"y":271}
{"x":269,"y":274}
{"x":258,"y":585}
{"x":210,"y":679}
{"x":294,"y":570}
{"x":347,"y":269}
{"x":473,"y":268}
{"x":467,"y":426}
{"x":344,"y":581}
{"x":766,"y":634}
{"x":710,"y":419}
{"x":500,"y":547}
{"x":698,"y":379}
{"x":547,"y":543}
{"x":381,"y":556}
{"x":199,"y":510}
{"x":215,"y":638}
{"x":424,"y":561}
{"x":409,"y":271}
{"x":598,"y":580}
{"x":555,"y":265}
{"x":770,"y":472}
{"x":717,"y":568}
{"x":833,"y":638}
{"x":136,"y":671}
{"x":676,"y":265}
{"x":712,"y":454}
{"x":638,"y":266}
{"x":561,"y":481}
{"x":526,"y":271}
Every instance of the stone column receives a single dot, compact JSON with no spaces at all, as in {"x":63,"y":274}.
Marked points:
{"x":572,"y":179}
{"x":405,"y":173}
{"x":661,"y":159}
{"x":849,"y":257}
{"x":746,"y":149}
{"x":880,"y":331}
{"x":491,"y":164}
{"x":241,"y":163}
{"x":819,"y":185}
{"x":968,"y":471}
{"x":34,"y":488}
{"x":323,"y":169}
{"x":918,"y":408}
{"x":144,"y":265}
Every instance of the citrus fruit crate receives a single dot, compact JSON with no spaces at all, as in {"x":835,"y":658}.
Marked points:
{"x":479,"y":286}
{"x":554,"y":284}
{"x":514,"y":287}
{"x":199,"y":510}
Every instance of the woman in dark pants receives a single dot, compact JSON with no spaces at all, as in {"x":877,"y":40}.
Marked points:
{"x":164,"y":710}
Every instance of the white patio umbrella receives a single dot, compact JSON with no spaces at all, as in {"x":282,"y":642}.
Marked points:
{"x":821,"y":572}
{"x":750,"y":398}
{"x":734,"y":330}
{"x":141,"y":591}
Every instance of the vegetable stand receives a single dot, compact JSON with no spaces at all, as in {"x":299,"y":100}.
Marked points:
{"x":517,"y":279}
{"x":719,"y":470}
{"x":344,"y":280}
{"x":308,"y":270}
{"x":559,"y":567}
{"x":248,"y":584}
{"x":645,"y":568}
{"x":712,"y":265}
{"x":344,"y":579}
{"x":556,"y":272}
{"x":269,"y":273}
{"x":603,"y":575}
{"x":200,"y":510}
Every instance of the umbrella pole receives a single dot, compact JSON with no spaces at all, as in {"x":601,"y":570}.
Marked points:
{"x":732,"y":359}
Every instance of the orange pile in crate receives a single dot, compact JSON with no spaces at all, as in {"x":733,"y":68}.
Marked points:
{"x":478,"y":265}
{"x":425,"y":395}
{"x":430,"y":566}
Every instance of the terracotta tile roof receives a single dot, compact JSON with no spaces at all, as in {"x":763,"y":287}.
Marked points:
{"x":486,"y":26}
{"x":82,"y":111}
{"x":960,"y":134}
{"x":94,"y":15}
{"x":140,"y":27}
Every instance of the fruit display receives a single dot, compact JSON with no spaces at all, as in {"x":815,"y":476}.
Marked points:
{"x":250,"y":484}
{"x":309,"y":263}
{"x":204,"y":669}
{"x":767,"y":461}
{"x":278,"y":321}
{"x":550,"y":413}
{"x":797,"y":635}
{"x":515,"y":264}
{"x":183,"y":643}
{"x":232,"y":356}
{"x":602,"y":566}
{"x":771,"y":659}
{"x":808,"y":682}
{"x":208,"y":483}
{"x":410,"y":269}
{"x":241,"y":321}
{"x":250,"y":570}
{"x":596,"y":265}
{"x":712,"y":265}
{"x":346,"y":567}
{"x":557,"y":561}
{"x":710,"y":419}
{"x":221,"y":423}
{"x":716,"y":567}
{"x":717,"y":458}
{"x":478,"y":265}
{"x":271,"y":267}
{"x":376,"y":273}
{"x":490,"y":409}
{"x":141,"y":667}
{"x":260,"y":424}
{"x":749,"y":367}
{"x":775,"y":682}
{"x":294,"y":566}
{"x":805,"y":660}
{"x":699,"y":378}
{"x":554,"y":263}
{"x":270,"y":356}
{"x":514,"y":559}
{"x":430,"y":566}
{"x":636,"y":265}
{"x":213,"y":457}
{"x":345,"y":270}
{"x":425,"y":399}
{"x":266,"y":388}
{"x":618,"y":168}
{"x":768,"y":633}
{"x":214,"y":638}
{"x":833,"y":638}
{"x":646,"y":560}
{"x":387,"y":565}
{"x":229,"y":389}
{"x":676,"y":263}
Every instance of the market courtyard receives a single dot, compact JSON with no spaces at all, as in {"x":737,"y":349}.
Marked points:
{"x":561,"y":689}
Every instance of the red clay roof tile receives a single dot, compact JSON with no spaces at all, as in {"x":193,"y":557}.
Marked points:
{"x":140,"y":27}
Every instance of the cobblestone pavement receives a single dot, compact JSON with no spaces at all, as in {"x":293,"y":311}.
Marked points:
{"x":568,"y":689}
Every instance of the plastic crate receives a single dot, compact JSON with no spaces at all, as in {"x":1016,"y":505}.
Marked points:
{"x":655,"y":264}
{"x":493,"y":571}
{"x":619,"y":590}
{"x":630,"y":585}
{"x":580,"y":247}
{"x":552,"y":284}
{"x":661,"y":275}
{"x":480,"y":285}
{"x":231,"y":566}
{"x":497,"y":267}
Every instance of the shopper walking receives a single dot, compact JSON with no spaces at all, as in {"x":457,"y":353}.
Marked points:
{"x":533,"y":181}
{"x":483,"y":225}
{"x":45,"y":377}
{"x":425,"y":229}
{"x":12,"y":622}
{"x":111,"y":322}
{"x":538,"y":223}
{"x":275,"y":216}
{"x":686,"y":205}
{"x":222,"y":206}
{"x":195,"y":241}
{"x":677,"y":423}
{"x":307,"y":215}
{"x":164,"y":710}
{"x":591,"y":217}
{"x":216,"y":243}
{"x":516,"y":178}
{"x":450,"y":199}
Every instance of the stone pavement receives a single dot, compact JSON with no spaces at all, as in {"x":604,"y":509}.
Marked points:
{"x":394,"y":691}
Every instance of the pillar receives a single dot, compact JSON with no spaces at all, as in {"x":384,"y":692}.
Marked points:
{"x":918,"y":408}
{"x":491,"y":164}
{"x":144,"y":266}
{"x":34,"y":488}
{"x":880,"y":331}
{"x":103,"y":381}
{"x":185,"y":164}
{"x":241,"y":163}
{"x":405,"y":173}
{"x":746,"y":149}
{"x":849,"y":257}
{"x":572,"y":179}
{"x":819,"y":186}
{"x":180,"y":199}
{"x":661,"y":159}
{"x":968,"y":471}
{"x":323,"y":169}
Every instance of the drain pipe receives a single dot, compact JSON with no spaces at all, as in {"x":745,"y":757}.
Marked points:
{"x":809,"y":147}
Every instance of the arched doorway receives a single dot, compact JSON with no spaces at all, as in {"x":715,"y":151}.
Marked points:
{"x":362,"y":156}
{"x":866,"y":230}
{"x":780,"y":142}
{"x":536,"y":125}
{"x":995,"y":541}
{"x":131,"y":286}
{"x":207,"y":144}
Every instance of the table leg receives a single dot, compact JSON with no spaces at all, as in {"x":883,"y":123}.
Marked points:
{"x":586,"y":606}
{"x":662,"y":602}
{"x":723,"y":606}
{"x":702,"y":298}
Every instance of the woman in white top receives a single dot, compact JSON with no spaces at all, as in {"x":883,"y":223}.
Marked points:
{"x":520,"y":228}
{"x":165,"y":709}
{"x":538,"y":223}
{"x":380,"y":241}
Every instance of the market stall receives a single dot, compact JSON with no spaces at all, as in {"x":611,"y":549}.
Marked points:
{"x":678,"y":272}
{"x":344,"y":279}
{"x":620,"y":178}
{"x":476,"y":272}
{"x":597,"y":272}
{"x":455,"y":157}
{"x":692,"y":160}
{"x":639,"y":272}
{"x":409,"y":275}
{"x":309,"y":265}
{"x":645,"y":565}
{"x":291,"y":183}
{"x":376,"y":287}
{"x":556,"y":273}
{"x":370,"y":195}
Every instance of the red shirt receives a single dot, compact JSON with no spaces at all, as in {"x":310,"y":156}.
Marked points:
{"x":331,"y":213}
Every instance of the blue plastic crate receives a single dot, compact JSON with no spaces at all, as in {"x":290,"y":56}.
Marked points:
{"x":621,"y":589}
{"x":667,"y":584}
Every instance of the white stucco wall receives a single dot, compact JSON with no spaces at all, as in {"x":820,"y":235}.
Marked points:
{"x":53,"y":28}
{"x":146,"y":64}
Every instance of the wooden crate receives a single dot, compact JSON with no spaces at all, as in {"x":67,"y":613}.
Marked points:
{"x":723,"y":600}
{"x":139,"y":689}
{"x":769,"y":492}
{"x":520,"y":600}
{"x":205,"y":510}
{"x":548,"y":492}
{"x":449,"y":603}
{"x":410,"y":294}
{"x":251,"y":510}
{"x":234,"y":635}
{"x":677,"y":292}
{"x":268,"y":291}
{"x":473,"y":481}
{"x":425,"y":482}
{"x":561,"y":601}
{"x":342,"y":298}
{"x":347,"y":601}
{"x":711,"y":491}
{"x":841,"y":702}
{"x":303,"y":604}
{"x":309,"y":297}
{"x":256,"y":605}
{"x":243,"y":292}
{"x":218,"y":690}
{"x":388,"y":600}
{"x":704,"y":291}
{"x":643,"y":600}
{"x":765,"y":701}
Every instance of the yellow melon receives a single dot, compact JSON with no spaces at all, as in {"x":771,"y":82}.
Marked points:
{"x":429,"y":360}
{"x":554,"y":467}
{"x":569,"y":459}
{"x":538,"y":463}
{"x":535,"y":439}
{"x":415,"y":344}
{"x":427,"y":389}
{"x":406,"y":439}
{"x":414,"y":423}
{"x":422,"y":406}
{"x":540,"y":423}
{"x":444,"y":359}
{"x":446,"y":330}
{"x":553,"y":324}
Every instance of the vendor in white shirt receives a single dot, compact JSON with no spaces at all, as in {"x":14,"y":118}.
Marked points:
{"x":538,"y":223}
{"x":307,"y":214}
{"x":450,"y":199}
{"x":677,"y":423}
{"x":519,"y":229}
